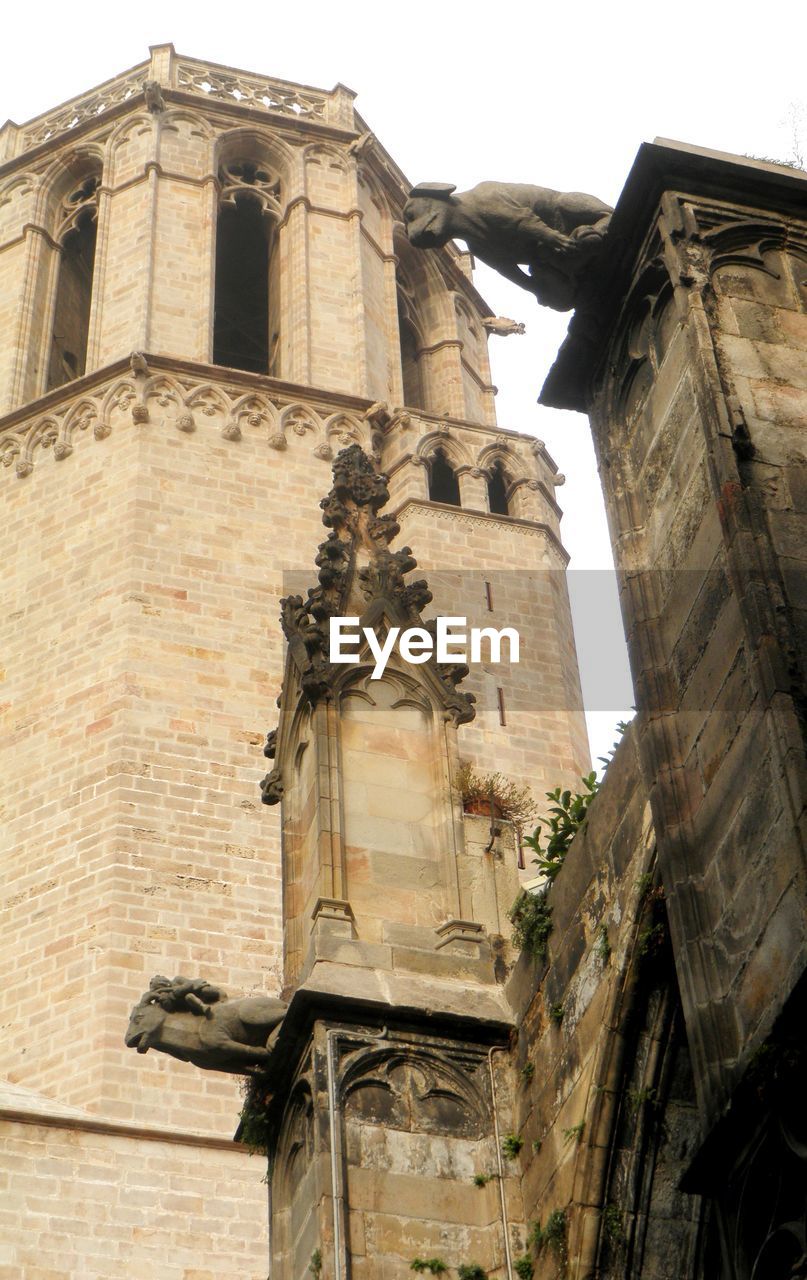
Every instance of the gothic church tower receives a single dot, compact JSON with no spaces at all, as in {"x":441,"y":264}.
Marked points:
{"x":205,"y":294}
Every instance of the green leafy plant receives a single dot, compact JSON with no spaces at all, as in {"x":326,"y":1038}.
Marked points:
{"x":511,"y":1145}
{"x":556,"y":1012}
{"x":482,"y":1179}
{"x":621,"y":726}
{"x":651,"y":940}
{"x":644,"y":884}
{"x":315,"y":1265}
{"x":254,"y":1127}
{"x":528,"y":1071}
{"x":537,"y":1144}
{"x":551,"y":1236}
{"x":566,"y":815}
{"x":531,"y":918}
{"x":523,"y":1267}
{"x":612,"y":1226}
{"x":574,"y":1134}
{"x":639,"y":1098}
{"x":510,"y":801}
{"x":602,"y":947}
{"x":472,"y":1271}
{"x":435,"y":1266}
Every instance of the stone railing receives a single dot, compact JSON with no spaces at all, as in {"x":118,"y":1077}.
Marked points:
{"x":79,"y":110}
{"x":123,"y":398}
{"x":248,"y":90}
{"x":207,"y":80}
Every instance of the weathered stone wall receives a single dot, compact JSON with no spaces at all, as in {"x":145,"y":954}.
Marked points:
{"x":602,"y":1105}
{"x":706,"y":534}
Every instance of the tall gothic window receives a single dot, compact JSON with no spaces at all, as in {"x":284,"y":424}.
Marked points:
{"x":497,"y":491}
{"x":443,"y":483}
{"x":246,"y":325}
{"x":76,"y":237}
{"x":411,"y":343}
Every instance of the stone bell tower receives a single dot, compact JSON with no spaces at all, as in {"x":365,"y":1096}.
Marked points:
{"x":206,"y":292}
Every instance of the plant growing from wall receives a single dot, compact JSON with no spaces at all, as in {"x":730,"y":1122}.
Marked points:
{"x":482,"y":1179}
{"x":556,"y":1012}
{"x":551,"y":1236}
{"x":523,"y":1267}
{"x":435,"y":1266}
{"x":575,"y":1134}
{"x":511,"y":1145}
{"x":472,"y":1271}
{"x":315,"y":1265}
{"x":566,"y":815}
{"x":612,"y":1227}
{"x":510,"y":801}
{"x":621,"y":727}
{"x":254,"y":1126}
{"x":531,"y":918}
{"x":527,"y":1072}
{"x":602,"y":947}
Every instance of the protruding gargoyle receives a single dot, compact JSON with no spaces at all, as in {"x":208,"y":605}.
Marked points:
{"x":501,"y":326}
{"x":154,"y":96}
{"x":194,"y":1021}
{"x":559,"y":236}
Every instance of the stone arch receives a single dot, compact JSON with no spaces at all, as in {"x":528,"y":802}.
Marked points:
{"x":252,"y":172}
{"x":425,"y":319}
{"x":69,"y":207}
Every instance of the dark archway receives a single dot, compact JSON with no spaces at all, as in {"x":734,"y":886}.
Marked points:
{"x":498,"y":485}
{"x":71,"y":314}
{"x":443,"y":483}
{"x":241,"y":310}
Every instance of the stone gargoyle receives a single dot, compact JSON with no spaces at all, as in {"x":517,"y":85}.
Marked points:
{"x":196,"y":1022}
{"x":558,"y":235}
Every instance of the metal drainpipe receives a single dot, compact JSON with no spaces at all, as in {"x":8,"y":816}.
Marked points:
{"x":337,"y":1189}
{"x":500,"y":1163}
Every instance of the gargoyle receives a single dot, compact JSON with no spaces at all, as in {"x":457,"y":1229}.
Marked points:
{"x":502,"y":326}
{"x":558,"y":235}
{"x":219,"y":1035}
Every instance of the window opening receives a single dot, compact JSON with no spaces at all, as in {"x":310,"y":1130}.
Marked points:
{"x":443,"y":483}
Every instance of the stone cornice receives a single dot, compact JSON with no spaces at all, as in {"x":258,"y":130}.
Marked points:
{"x":179,"y":1137}
{"x":483,"y":519}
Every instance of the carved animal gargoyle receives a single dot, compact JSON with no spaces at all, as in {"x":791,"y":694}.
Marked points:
{"x":558,"y":235}
{"x":215,"y":1032}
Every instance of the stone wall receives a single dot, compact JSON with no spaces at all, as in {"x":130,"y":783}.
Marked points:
{"x":604,"y":1107}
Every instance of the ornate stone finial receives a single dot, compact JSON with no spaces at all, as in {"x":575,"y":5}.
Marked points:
{"x":559,"y":235}
{"x":357,"y":531}
{"x":154,"y":95}
{"x":503,"y":327}
{"x":194,"y":1021}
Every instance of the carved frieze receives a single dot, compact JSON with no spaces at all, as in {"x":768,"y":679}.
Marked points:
{"x":162,"y":399}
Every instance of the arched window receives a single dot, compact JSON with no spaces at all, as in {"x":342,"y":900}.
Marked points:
{"x":76,"y":237}
{"x":411,"y":343}
{"x":443,"y":483}
{"x":246,"y":327}
{"x":497,"y":491}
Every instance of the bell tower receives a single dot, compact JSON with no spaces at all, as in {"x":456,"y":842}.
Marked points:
{"x":206,"y":293}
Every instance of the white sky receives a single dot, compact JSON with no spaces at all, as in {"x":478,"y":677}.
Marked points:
{"x":560,"y":95}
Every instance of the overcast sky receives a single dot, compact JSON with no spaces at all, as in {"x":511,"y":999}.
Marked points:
{"x":560,"y":95}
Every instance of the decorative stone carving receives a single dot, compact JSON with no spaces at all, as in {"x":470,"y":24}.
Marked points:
{"x":196,"y":1022}
{"x":154,"y":95}
{"x":501,"y":326}
{"x":559,"y":235}
{"x":357,"y":532}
